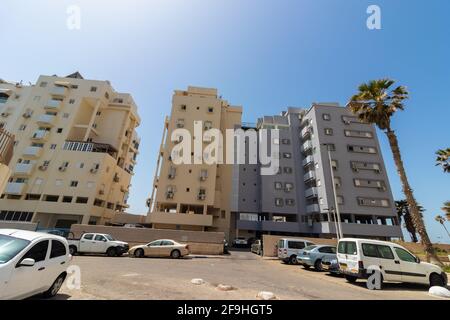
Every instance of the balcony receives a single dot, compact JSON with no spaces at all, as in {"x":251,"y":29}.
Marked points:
{"x":308,"y":160}
{"x":24,"y":169}
{"x":306,"y":132}
{"x":40,"y":135}
{"x":6,"y":147}
{"x":59,"y":91}
{"x":306,"y":146}
{"x":310,"y":175}
{"x":46,"y":120}
{"x":33,"y":152}
{"x":90,"y":147}
{"x":312,"y":208}
{"x":180,"y":219}
{"x":53,"y":104}
{"x":15,"y":188}
{"x":311,"y":192}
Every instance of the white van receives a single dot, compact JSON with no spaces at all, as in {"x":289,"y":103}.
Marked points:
{"x":289,"y":249}
{"x":395,"y":263}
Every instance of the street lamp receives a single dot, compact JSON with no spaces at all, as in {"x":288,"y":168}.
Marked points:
{"x":339,"y":225}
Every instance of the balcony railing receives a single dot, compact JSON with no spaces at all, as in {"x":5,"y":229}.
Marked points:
{"x":90,"y":147}
{"x":53,"y":104}
{"x":309,"y":175}
{"x":306,"y":146}
{"x":40,"y":135}
{"x":312,"y":208}
{"x":24,"y":169}
{"x":311,"y":192}
{"x":33,"y":151}
{"x":308,"y":160}
{"x":15,"y":188}
{"x":58,"y":91}
{"x":46,"y":119}
{"x":6,"y":146}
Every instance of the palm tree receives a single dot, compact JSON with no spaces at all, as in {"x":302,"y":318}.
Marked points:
{"x":376,"y":102}
{"x":403,"y":213}
{"x":443,"y":159}
{"x":446,"y":209}
{"x":442,"y":220}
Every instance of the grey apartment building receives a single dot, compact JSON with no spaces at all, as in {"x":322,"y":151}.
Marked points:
{"x":299,"y":199}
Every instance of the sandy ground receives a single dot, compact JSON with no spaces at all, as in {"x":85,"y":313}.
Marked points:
{"x":248,"y":274}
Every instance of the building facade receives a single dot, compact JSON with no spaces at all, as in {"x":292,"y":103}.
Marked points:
{"x":299,"y":200}
{"x":193,"y":196}
{"x":74,"y":152}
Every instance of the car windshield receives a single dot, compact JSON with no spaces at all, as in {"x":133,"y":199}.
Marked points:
{"x":309,"y":248}
{"x":10,"y":247}
{"x":107,"y":236}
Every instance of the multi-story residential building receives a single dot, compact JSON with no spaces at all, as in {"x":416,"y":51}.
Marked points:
{"x":300,"y":199}
{"x":75,"y":149}
{"x":193,"y":196}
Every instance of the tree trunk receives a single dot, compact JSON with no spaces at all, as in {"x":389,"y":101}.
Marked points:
{"x":415,"y":214}
{"x":448,"y":233}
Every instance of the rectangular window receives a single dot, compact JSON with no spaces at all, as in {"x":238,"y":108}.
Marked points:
{"x":93,"y":89}
{"x":43,"y":84}
{"x":278,"y":186}
{"x":290,"y":202}
{"x":328,"y":131}
{"x":73,"y":184}
{"x":210,"y":109}
{"x":361,"y":149}
{"x":287,"y":155}
{"x":279,"y":202}
{"x":286,"y":141}
{"x":358,"y":134}
{"x":82,"y":200}
{"x":67,"y":199}
{"x":326,"y":117}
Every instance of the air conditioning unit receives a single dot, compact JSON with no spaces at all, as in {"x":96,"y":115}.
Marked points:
{"x":43,"y":168}
{"x":62,"y":168}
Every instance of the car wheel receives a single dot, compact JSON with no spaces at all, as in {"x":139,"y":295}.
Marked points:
{"x":318,"y":265}
{"x":111,"y":252}
{"x":350,"y":279}
{"x":293,"y":259}
{"x":307,"y":267}
{"x":139,"y":253}
{"x":50,"y":293}
{"x":436,"y":280}
{"x":72,"y":250}
{"x":175,"y":254}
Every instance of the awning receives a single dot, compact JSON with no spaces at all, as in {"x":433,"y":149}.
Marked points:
{"x":62,"y":84}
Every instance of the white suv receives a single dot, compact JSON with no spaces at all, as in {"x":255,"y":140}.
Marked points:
{"x":31,"y":263}
{"x":359,"y":258}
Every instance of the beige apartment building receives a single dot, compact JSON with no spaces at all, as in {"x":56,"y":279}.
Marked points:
{"x":74,"y":152}
{"x":193,"y":196}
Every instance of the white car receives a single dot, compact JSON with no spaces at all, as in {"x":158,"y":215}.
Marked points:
{"x":31,"y":263}
{"x":359,"y":258}
{"x":100,"y":243}
{"x":289,"y":248}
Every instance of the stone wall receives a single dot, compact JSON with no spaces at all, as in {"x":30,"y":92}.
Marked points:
{"x":18,"y":225}
{"x":208,"y":243}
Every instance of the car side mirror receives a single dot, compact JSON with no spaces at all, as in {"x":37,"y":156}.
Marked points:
{"x":28,"y":262}
{"x":417,"y":260}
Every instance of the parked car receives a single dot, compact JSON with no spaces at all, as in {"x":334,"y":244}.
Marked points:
{"x":330,"y":265}
{"x":240,"y":242}
{"x":160,"y":248}
{"x":99,"y":243}
{"x":257,"y":247}
{"x":289,"y":249}
{"x":312,"y":256}
{"x":31,"y":263}
{"x":394,"y":262}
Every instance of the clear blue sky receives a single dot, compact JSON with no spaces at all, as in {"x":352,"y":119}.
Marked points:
{"x":263,"y":55}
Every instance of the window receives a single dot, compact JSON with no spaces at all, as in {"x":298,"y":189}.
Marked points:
{"x":81,"y":200}
{"x":38,"y":252}
{"x":71,"y":101}
{"x":347,"y":247}
{"x":296,"y":244}
{"x":286,"y":141}
{"x":328,"y":131}
{"x":288,"y":186}
{"x":405,"y":255}
{"x":370,"y":250}
{"x":99,"y":238}
{"x":287,"y":170}
{"x":89,"y":236}
{"x":53,"y":146}
{"x":361,"y":149}
{"x":327,"y":250}
{"x":340,"y":199}
{"x":330,"y":146}
{"x":290,"y":202}
{"x":166,"y":243}
{"x":65,"y":115}
{"x":59,"y":130}
{"x":73,"y":183}
{"x":22,"y":127}
{"x":183,"y":107}
{"x":287,"y":155}
{"x":93,"y":89}
{"x":67,"y":199}
{"x":334,"y":164}
{"x":385,"y":252}
{"x":210,"y":109}
{"x":326,"y":117}
{"x":43,"y":84}
{"x":278,"y":186}
{"x":279,"y":202}
{"x":58,"y":249}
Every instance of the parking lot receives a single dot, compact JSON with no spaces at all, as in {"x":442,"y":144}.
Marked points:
{"x":247,"y":273}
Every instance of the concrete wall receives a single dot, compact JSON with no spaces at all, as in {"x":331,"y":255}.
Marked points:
{"x":199,"y":242}
{"x":18,"y":225}
{"x":270,"y":243}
